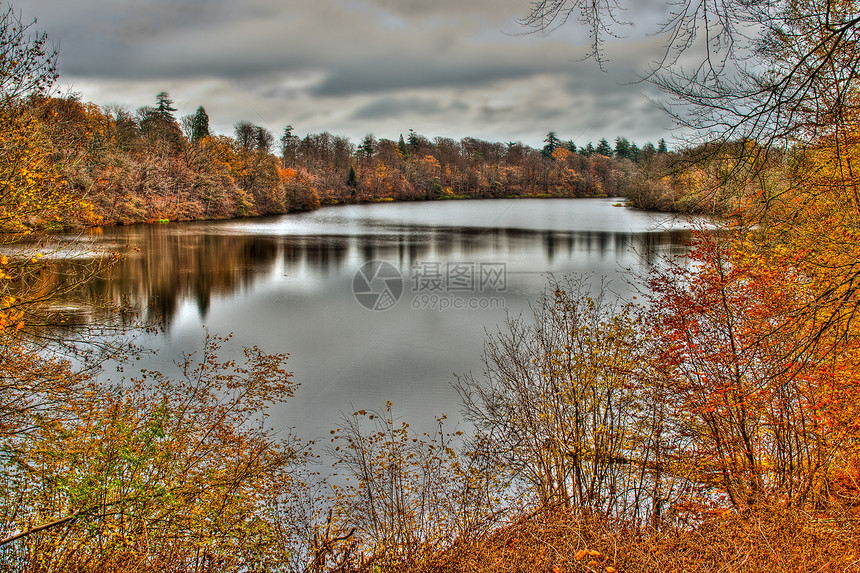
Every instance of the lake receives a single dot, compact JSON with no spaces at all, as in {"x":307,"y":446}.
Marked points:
{"x":361,"y":332}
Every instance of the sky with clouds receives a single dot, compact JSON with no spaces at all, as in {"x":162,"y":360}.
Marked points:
{"x":450,"y":68}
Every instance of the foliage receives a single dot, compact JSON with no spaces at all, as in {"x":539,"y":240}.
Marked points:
{"x":753,"y":378}
{"x":145,"y":166}
{"x":161,"y":474}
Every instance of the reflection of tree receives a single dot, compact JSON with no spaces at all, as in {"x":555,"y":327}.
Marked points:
{"x":165,"y":268}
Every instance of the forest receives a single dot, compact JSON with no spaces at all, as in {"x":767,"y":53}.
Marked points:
{"x":147,"y":166}
{"x":709,"y":425}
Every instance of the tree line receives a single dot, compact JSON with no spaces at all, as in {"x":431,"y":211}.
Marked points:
{"x":147,"y":165}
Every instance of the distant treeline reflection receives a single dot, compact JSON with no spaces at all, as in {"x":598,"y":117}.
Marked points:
{"x":164,"y":267}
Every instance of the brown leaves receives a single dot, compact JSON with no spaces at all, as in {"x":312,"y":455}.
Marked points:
{"x":162,"y":469}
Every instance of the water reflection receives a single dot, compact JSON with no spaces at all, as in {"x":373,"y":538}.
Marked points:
{"x":285,"y":284}
{"x":167,"y":268}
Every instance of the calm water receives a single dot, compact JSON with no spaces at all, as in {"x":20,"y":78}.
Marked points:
{"x":286,"y":284}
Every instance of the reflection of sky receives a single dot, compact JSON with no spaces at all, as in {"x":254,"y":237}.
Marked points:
{"x":544,"y":215}
{"x":275,"y":286}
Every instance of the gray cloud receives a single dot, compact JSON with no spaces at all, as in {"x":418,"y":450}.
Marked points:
{"x":399,"y":107}
{"x":448,"y":67}
{"x":389,"y":76}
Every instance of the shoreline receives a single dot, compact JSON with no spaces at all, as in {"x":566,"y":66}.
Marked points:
{"x":621,"y":200}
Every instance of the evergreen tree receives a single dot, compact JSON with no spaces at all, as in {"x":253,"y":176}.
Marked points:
{"x":661,"y":146}
{"x":352,"y":180}
{"x":401,"y":147}
{"x":635,"y":153}
{"x":289,"y":146}
{"x":367,"y":147}
{"x":165,"y":107}
{"x":413,"y":140}
{"x":588,"y":150}
{"x":622,"y":148}
{"x":603,"y":148}
{"x":571,"y":146}
{"x":199,"y":125}
{"x":552,"y":143}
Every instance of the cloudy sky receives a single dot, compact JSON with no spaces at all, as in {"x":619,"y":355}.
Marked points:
{"x":452,"y":68}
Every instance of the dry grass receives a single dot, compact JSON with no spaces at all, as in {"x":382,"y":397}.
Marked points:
{"x":555,"y":541}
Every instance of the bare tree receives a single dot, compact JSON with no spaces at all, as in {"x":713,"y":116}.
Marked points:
{"x":28,"y":63}
{"x":563,"y":405}
{"x":768,"y":70}
{"x":245,"y":132}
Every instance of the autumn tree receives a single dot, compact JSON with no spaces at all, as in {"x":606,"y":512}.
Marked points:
{"x":28,"y":62}
{"x":165,"y":473}
{"x":757,"y":335}
{"x":32,"y":192}
{"x":744,"y":378}
{"x":771,"y":71}
{"x":34,"y":195}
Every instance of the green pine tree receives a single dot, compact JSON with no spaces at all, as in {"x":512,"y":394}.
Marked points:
{"x":199,"y":125}
{"x":622,"y":147}
{"x":368,"y":146}
{"x":401,"y":147}
{"x":603,"y":148}
{"x":164,"y":107}
{"x":552,"y":143}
